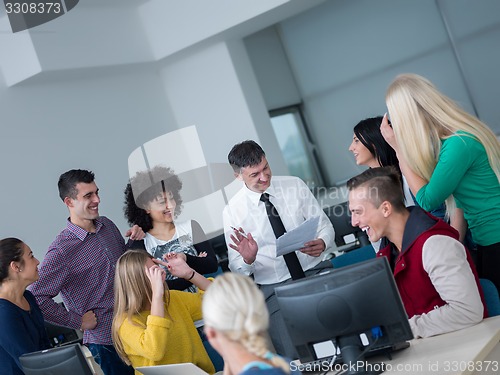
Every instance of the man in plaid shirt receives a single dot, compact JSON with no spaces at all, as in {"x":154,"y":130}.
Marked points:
{"x":80,"y":266}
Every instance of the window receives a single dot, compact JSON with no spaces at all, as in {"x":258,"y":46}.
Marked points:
{"x":295,"y":143}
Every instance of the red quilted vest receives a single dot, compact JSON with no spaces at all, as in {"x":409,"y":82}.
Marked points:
{"x":415,"y":287}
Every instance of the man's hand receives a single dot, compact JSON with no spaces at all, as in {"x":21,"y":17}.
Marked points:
{"x":135,"y":233}
{"x":89,"y":321}
{"x":314,"y":248}
{"x":245,"y":245}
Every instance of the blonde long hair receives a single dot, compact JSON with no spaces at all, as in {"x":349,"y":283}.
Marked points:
{"x":235,"y":307}
{"x":422,"y":116}
{"x":133,"y":293}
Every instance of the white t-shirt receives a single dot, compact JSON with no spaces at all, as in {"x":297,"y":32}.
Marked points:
{"x":181,"y":242}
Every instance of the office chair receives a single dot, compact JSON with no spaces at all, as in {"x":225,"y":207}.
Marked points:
{"x":219,"y":245}
{"x":60,"y":335}
{"x":214,"y":356}
{"x":63,"y":360}
{"x":491,"y":297}
{"x":340,"y":217}
{"x":354,"y":256}
{"x":216,"y":273}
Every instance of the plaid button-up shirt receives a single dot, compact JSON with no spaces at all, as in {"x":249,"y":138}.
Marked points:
{"x":81,"y":267}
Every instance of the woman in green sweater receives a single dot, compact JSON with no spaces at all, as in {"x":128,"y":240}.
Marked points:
{"x":446,"y":153}
{"x":152,"y":325}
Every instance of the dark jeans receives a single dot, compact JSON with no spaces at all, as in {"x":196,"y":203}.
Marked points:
{"x":277,"y":329}
{"x":109,"y":361}
{"x":488,"y":263}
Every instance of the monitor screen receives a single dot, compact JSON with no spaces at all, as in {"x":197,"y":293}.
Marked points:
{"x":348,"y":312}
{"x":63,"y":360}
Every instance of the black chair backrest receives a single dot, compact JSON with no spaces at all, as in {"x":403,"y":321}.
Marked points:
{"x":63,"y":360}
{"x":219,"y":245}
{"x":340,"y":216}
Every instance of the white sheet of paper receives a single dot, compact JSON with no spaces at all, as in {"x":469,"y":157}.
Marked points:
{"x":295,"y":239}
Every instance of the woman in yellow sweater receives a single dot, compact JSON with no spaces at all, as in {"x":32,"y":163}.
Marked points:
{"x":152,"y":325}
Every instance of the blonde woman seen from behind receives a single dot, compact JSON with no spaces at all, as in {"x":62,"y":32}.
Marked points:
{"x":446,"y":153}
{"x":152,"y":325}
{"x":236,"y":324}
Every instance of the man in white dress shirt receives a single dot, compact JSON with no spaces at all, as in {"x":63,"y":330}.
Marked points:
{"x":252,"y":247}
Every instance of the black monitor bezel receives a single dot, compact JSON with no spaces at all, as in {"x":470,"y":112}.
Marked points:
{"x":305,"y":348}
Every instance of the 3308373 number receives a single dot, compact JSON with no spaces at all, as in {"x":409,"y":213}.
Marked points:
{"x":33,"y":8}
{"x":473,"y":366}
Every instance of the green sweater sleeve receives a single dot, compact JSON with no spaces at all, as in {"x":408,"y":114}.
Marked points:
{"x":455,"y":158}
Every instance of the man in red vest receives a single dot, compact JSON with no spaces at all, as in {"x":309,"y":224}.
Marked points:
{"x":434,"y":272}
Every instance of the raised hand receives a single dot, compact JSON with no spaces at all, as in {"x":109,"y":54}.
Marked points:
{"x":388,"y":133}
{"x":245,"y":245}
{"x":174,"y":254}
{"x":156,"y":276}
{"x":177,"y":265}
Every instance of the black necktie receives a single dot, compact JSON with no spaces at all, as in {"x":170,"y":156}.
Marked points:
{"x":291,"y":260}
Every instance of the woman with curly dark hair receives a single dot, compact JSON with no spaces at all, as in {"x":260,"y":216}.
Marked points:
{"x":153,"y":201}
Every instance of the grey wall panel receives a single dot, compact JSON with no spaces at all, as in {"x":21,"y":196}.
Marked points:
{"x":344,"y":54}
{"x":275,"y":77}
{"x":343,"y":41}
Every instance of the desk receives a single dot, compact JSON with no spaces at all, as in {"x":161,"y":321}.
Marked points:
{"x":451,"y":353}
{"x":460,"y":352}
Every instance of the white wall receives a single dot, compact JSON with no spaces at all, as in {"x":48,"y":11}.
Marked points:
{"x":90,"y":123}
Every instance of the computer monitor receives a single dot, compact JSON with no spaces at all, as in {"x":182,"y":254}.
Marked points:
{"x":349,"y":311}
{"x":59,"y":335}
{"x":63,"y":360}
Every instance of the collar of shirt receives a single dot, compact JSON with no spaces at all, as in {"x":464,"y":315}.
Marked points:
{"x":254,"y":197}
{"x":80,"y":232}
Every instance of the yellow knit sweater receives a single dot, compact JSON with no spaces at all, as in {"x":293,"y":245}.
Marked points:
{"x":166,"y":341}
